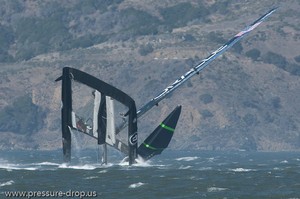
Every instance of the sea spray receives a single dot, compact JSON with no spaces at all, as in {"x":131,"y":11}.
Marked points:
{"x":76,"y":147}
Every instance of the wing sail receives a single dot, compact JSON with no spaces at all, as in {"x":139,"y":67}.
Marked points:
{"x":90,"y":106}
{"x":160,"y":138}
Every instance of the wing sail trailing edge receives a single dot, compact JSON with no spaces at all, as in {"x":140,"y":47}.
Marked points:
{"x":100,"y":120}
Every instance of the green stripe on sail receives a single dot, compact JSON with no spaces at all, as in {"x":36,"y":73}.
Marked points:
{"x":151,"y":147}
{"x":167,"y":127}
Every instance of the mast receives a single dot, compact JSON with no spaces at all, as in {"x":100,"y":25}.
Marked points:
{"x":199,"y":67}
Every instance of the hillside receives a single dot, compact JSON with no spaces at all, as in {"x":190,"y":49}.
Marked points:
{"x":245,"y":100}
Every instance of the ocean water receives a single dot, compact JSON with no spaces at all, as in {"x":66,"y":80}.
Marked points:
{"x":174,"y":174}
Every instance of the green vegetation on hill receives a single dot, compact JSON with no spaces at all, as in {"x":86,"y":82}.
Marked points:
{"x":6,"y":39}
{"x":281,"y":62}
{"x":182,"y":13}
{"x":254,"y":54}
{"x":135,"y":22}
{"x":50,"y":30}
{"x":22,"y":117}
{"x":297,"y":58}
{"x":47,"y":32}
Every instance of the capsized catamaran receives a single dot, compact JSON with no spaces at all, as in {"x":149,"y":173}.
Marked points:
{"x":98,"y":109}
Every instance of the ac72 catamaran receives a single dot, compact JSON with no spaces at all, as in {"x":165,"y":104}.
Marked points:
{"x":100,"y":110}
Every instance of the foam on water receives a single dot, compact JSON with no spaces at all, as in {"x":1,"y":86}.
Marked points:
{"x":142,"y":163}
{"x":79,"y":167}
{"x":215,"y":189}
{"x":284,"y":162}
{"x":185,"y":167}
{"x":212,"y":159}
{"x":205,"y":168}
{"x":108,"y":165}
{"x":241,"y":170}
{"x":6,"y":183}
{"x":136,"y":185}
{"x":10,"y":167}
{"x":139,"y":163}
{"x":187,"y":158}
{"x":46,"y":164}
{"x":51,"y":166}
{"x":91,"y":166}
{"x":91,"y":177}
{"x":278,"y":169}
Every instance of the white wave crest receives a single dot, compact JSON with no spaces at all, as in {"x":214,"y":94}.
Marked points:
{"x":185,"y":167}
{"x":139,"y":162}
{"x":241,"y":170}
{"x":79,"y":167}
{"x":136,"y":185}
{"x":187,"y":158}
{"x":215,"y":189}
{"x":277,"y":169}
{"x":7,"y":183}
{"x":47,"y":164}
{"x":91,"y":177}
{"x":10,"y":167}
{"x":205,"y":168}
{"x":211,"y":159}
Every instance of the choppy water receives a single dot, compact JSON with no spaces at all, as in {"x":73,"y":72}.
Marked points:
{"x":174,"y":174}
